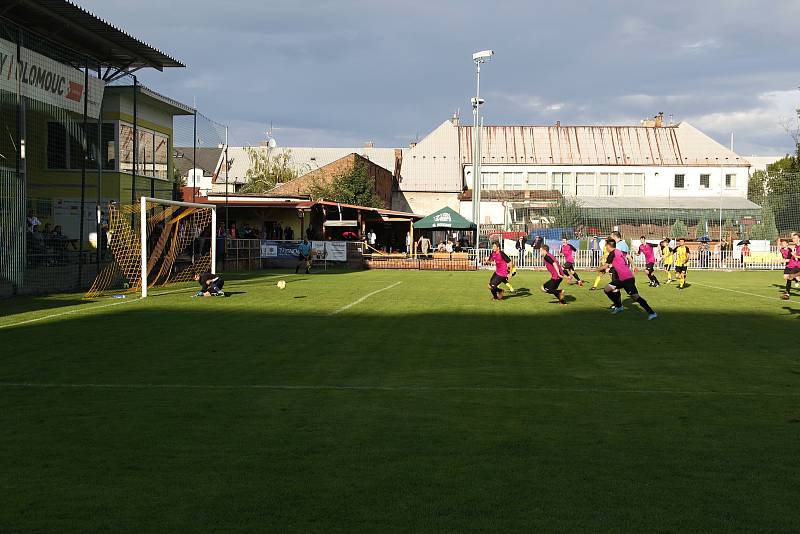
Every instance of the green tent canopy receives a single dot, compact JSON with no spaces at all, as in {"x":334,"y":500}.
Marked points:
{"x":444,"y":219}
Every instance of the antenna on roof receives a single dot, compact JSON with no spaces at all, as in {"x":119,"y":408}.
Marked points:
{"x":270,"y":141}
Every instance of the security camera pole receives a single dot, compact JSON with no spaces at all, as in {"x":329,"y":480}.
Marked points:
{"x":479,"y":58}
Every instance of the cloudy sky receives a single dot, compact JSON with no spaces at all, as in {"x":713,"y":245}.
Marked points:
{"x":339,"y":73}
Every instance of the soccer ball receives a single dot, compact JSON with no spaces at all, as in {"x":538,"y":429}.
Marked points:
{"x":785,"y":296}
{"x":281,"y":284}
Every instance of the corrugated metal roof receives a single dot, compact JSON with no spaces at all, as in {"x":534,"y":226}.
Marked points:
{"x":66,"y":23}
{"x":677,"y":145}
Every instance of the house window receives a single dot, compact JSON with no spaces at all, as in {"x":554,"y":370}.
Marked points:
{"x":705,"y":181}
{"x":564,"y":183}
{"x":609,"y":184}
{"x":585,"y":184}
{"x":152,"y":151}
{"x":680,"y":181}
{"x":65,"y":146}
{"x":490,"y":180}
{"x":537,"y":181}
{"x":633,"y":184}
{"x":512,"y":180}
{"x":730,"y":181}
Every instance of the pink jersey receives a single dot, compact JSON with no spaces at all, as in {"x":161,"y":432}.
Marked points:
{"x":620,"y":265}
{"x":649,"y":253}
{"x":796,"y":261}
{"x":553,"y":266}
{"x":786,"y":254}
{"x":500,"y":263}
{"x":568,"y":251}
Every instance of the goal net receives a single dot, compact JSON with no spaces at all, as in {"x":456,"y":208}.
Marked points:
{"x":155,"y":243}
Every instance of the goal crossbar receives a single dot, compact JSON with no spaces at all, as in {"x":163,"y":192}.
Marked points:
{"x":143,"y":232}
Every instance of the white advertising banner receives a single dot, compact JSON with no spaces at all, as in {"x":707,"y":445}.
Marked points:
{"x":331,"y":250}
{"x":48,"y":81}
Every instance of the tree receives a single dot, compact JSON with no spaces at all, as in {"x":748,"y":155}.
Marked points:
{"x":679,"y":229}
{"x":779,"y":190}
{"x":352,"y":186}
{"x":702,"y":226}
{"x":766,"y":229}
{"x":268,"y":170}
{"x":567,"y":213}
{"x":178,"y":183}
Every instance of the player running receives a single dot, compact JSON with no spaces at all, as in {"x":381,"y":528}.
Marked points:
{"x":649,"y":253}
{"x":682,"y":256}
{"x":210,"y":285}
{"x":622,"y":246}
{"x":790,"y":270}
{"x":667,"y":258}
{"x":502,"y":268}
{"x":568,"y":252}
{"x":303,"y":256}
{"x":623,"y":279}
{"x":796,"y":243}
{"x":556,"y":274}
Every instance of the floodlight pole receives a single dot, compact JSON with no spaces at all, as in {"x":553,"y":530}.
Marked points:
{"x":477,"y":122}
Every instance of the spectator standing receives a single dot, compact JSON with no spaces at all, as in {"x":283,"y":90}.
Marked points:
{"x":288,"y":233}
{"x":596,"y":247}
{"x":521,"y":250}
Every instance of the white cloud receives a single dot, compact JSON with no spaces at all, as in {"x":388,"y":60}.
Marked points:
{"x":700,"y":45}
{"x":766,"y":120}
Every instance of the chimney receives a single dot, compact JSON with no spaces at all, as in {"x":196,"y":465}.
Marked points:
{"x":369,"y":144}
{"x":412,"y":144}
{"x":660,"y":119}
{"x":558,"y":124}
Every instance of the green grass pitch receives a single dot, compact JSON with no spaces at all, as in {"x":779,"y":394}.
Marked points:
{"x":423,"y":407}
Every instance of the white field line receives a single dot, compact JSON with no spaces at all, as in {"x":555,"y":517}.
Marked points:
{"x":490,"y":389}
{"x":118,"y":303}
{"x":736,"y":291}
{"x":365,"y":297}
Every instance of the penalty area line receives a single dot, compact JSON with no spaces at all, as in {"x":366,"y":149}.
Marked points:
{"x":365,"y":297}
{"x":410,"y":389}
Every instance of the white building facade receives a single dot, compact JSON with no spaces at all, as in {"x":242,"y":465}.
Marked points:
{"x":601,"y":166}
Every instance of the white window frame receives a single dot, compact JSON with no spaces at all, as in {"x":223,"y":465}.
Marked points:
{"x":609,"y":184}
{"x":494,"y":185}
{"x":534,"y":184}
{"x":564,"y":183}
{"x":632,"y":184}
{"x":675,"y":181}
{"x":707,"y":178}
{"x":591,"y":188}
{"x":520,"y":181}
{"x":730,"y":184}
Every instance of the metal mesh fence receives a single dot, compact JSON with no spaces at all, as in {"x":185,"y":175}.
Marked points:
{"x":75,"y":136}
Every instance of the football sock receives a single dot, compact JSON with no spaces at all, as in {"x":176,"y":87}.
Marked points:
{"x":643,"y":303}
{"x":788,"y":286}
{"x":575,"y":274}
{"x":509,"y":286}
{"x":597,"y":280}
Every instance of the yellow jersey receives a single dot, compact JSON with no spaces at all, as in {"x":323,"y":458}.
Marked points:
{"x":666,"y":255}
{"x":682,"y":256}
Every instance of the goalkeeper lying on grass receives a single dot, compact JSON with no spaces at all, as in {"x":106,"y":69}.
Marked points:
{"x":210,"y":285}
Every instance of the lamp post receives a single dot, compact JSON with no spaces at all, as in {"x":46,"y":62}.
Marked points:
{"x":478,"y":58}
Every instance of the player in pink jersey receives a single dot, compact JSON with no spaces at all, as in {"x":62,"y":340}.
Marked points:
{"x":649,"y":253}
{"x":790,"y":270}
{"x":556,"y":274}
{"x":568,"y":252}
{"x":623,"y":279}
{"x":502,"y":268}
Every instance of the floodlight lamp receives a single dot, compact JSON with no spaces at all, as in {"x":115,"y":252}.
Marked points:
{"x":483,"y":55}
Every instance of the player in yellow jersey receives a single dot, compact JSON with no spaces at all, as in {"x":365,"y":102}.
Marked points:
{"x":667,"y":258}
{"x":512,"y":272}
{"x":682,"y":256}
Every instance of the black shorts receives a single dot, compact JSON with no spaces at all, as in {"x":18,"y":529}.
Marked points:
{"x":650,"y":266}
{"x":628,"y":285}
{"x":496,"y":280}
{"x":569,"y":266}
{"x":791,"y":270}
{"x":551,"y":285}
{"x":301,"y":257}
{"x":667,"y":266}
{"x":681,"y":268}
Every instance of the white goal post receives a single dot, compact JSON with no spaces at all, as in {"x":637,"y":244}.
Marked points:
{"x":143,"y":231}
